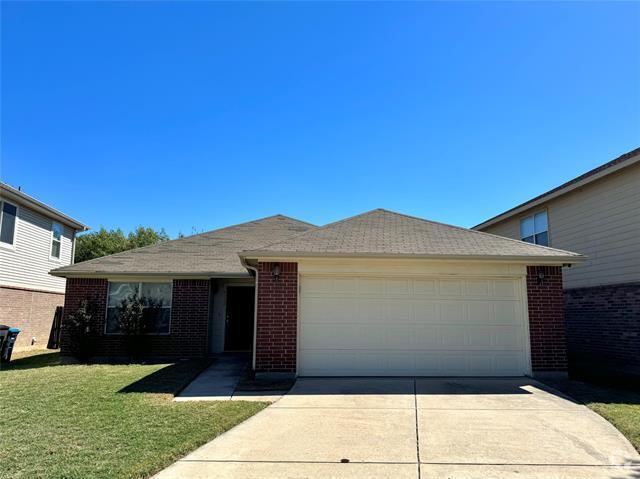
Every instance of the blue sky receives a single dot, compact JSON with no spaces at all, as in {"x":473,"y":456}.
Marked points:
{"x":199,"y":115}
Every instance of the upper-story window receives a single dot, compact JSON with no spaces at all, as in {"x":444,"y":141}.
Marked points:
{"x":56,"y":240}
{"x":535,"y":229}
{"x":8,"y":214}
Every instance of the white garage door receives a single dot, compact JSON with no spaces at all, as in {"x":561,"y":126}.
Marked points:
{"x":389,"y":326}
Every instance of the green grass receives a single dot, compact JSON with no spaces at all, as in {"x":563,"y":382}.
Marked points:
{"x":62,"y":420}
{"x":621,"y":407}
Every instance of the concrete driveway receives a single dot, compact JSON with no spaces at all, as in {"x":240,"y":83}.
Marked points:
{"x":417,"y":428}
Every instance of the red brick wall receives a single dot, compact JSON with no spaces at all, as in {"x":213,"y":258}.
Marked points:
{"x":30,"y":310}
{"x":277,"y":318}
{"x":603,"y":323}
{"x":546,"y":319}
{"x":189,"y":319}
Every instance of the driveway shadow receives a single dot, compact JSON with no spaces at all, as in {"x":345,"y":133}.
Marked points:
{"x":586,"y":392}
{"x":421,"y":385}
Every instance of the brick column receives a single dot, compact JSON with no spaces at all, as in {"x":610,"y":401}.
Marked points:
{"x":277,"y":319}
{"x":189,"y":320}
{"x":546,"y":319}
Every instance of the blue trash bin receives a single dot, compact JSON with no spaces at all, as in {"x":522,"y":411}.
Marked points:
{"x":8,"y":343}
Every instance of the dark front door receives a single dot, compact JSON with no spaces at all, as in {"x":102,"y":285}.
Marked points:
{"x":238,"y":334}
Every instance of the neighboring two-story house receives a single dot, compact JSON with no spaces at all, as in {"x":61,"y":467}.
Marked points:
{"x":596,"y":214}
{"x":34,"y":239}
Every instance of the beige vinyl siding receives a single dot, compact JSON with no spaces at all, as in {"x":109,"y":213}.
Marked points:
{"x":600,"y":220}
{"x":27,"y":265}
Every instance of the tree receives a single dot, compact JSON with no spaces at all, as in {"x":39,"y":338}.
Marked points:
{"x":105,"y":242}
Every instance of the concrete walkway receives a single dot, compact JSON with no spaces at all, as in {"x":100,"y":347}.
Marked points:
{"x":417,"y":428}
{"x":218,"y":381}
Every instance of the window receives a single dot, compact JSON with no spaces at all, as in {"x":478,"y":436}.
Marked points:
{"x":156,"y":295}
{"x":8,"y":214}
{"x":56,"y":240}
{"x":534,"y":229}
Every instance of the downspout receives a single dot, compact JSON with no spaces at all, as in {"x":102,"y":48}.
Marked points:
{"x":255,"y":311}
{"x":73,"y":248}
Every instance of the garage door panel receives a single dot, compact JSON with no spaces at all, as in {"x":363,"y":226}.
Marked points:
{"x":393,"y":363}
{"x":371,"y":310}
{"x":411,"y":326}
{"x":506,"y":312}
{"x":478,"y":288}
{"x":371,"y":286}
{"x":449,"y":287}
{"x":426,"y":311}
{"x":508,"y":337}
{"x":424,"y":287}
{"x":505,"y":289}
{"x":453,"y":312}
{"x":426,"y":336}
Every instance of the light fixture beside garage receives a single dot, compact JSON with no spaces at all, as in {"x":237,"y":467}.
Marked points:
{"x":275,"y":271}
{"x":540,"y":276}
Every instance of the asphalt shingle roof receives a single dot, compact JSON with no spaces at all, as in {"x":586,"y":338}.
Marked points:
{"x":207,"y":253}
{"x":382,"y":232}
{"x":375,"y":233}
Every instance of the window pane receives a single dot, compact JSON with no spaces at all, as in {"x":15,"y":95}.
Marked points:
{"x":55,"y":249}
{"x":113,"y":326}
{"x":57,"y":231}
{"x":120,"y":291}
{"x":526,"y":227}
{"x":542,"y":239}
{"x":8,"y":225}
{"x":528,"y":239}
{"x":160,"y":293}
{"x":158,"y":320}
{"x":541,"y":222}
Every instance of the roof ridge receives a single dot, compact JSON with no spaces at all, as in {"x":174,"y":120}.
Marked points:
{"x":313,"y":230}
{"x":469,"y":230}
{"x":423,"y":220}
{"x":185,"y":238}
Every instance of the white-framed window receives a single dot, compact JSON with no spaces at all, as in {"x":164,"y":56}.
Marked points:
{"x":157,"y":296}
{"x":8,"y":215}
{"x":56,"y":240}
{"x":535,"y":229}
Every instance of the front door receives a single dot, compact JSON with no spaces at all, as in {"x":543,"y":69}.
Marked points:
{"x":239,"y":319}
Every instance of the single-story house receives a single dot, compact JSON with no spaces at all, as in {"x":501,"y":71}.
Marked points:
{"x":378,"y":294}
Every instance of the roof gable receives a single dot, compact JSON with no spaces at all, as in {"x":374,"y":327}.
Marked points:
{"x":19,"y":197}
{"x":623,"y":161}
{"x":386,"y":233}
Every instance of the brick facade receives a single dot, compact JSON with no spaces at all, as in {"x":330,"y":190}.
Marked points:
{"x":546,"y":319}
{"x":30,"y":310}
{"x":604,"y":329}
{"x":277,"y":318}
{"x":189,"y":319}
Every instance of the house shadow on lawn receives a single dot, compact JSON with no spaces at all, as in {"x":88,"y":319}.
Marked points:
{"x":36,"y":359}
{"x":169,"y":380}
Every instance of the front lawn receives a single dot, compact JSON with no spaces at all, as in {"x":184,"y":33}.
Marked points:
{"x":621,"y":407}
{"x":103,"y":421}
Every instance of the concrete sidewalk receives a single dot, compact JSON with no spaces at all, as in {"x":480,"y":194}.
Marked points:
{"x":218,"y":381}
{"x":408,"y":428}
